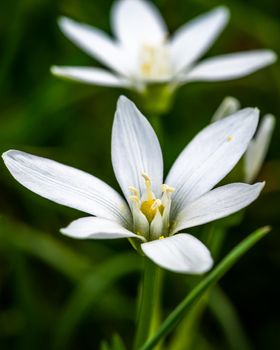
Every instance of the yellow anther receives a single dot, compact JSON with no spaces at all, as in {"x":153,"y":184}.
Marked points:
{"x":229,"y":138}
{"x":166,"y":188}
{"x":134,"y":199}
{"x":134,"y":190}
{"x":146,"y":177}
{"x":148,"y":187}
{"x":161,"y":237}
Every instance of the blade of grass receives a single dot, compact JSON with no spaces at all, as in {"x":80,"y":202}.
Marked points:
{"x":178,"y":313}
{"x":44,"y":247}
{"x":187,"y":333}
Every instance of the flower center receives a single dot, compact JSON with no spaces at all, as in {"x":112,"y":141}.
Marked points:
{"x":154,"y":62}
{"x":150,"y":208}
{"x":151,"y":214}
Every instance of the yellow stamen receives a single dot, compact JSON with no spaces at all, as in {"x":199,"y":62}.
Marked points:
{"x":148,"y":187}
{"x":135,"y":199}
{"x":134,"y":191}
{"x":161,"y":237}
{"x":166,"y":188}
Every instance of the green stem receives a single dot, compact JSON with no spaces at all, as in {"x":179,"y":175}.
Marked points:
{"x":156,"y":123}
{"x":149,"y":302}
{"x":178,"y":313}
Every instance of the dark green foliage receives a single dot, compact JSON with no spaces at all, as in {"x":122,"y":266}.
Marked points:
{"x":58,"y":293}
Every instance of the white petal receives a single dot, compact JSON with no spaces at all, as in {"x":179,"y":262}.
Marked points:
{"x":96,"y":43}
{"x":95,"y":76}
{"x":228,"y":106}
{"x":193,"y":39}
{"x":137,"y":22}
{"x":135,"y":149}
{"x":97,"y":228}
{"x":230,"y":66}
{"x":67,"y":186}
{"x":258,"y":147}
{"x":140,"y":223}
{"x":210,"y":156}
{"x":181,"y":253}
{"x":216,"y":204}
{"x":156,"y":227}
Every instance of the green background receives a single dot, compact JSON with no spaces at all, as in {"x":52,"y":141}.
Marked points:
{"x":58,"y":293}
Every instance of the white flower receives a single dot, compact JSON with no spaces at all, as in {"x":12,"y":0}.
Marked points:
{"x":142,"y":51}
{"x":258,"y":147}
{"x":154,"y":211}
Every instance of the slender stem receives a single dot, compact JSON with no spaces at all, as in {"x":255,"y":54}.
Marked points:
{"x":149,"y":302}
{"x":157,"y":314}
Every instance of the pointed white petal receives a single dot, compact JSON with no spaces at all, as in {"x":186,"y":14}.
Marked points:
{"x":228,"y":106}
{"x":216,"y":204}
{"x":67,"y":186}
{"x":181,"y":253}
{"x":140,"y":223}
{"x":156,"y":226}
{"x":96,"y":43}
{"x":135,"y":149}
{"x":95,"y":76}
{"x":210,"y":156}
{"x":97,"y":228}
{"x":230,"y":66}
{"x":193,"y":39}
{"x":137,"y":22}
{"x":258,"y":147}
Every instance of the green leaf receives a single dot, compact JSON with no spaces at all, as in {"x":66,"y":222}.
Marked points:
{"x":117,"y":343}
{"x":44,"y":247}
{"x":187,"y":333}
{"x":178,"y":313}
{"x":104,"y":346}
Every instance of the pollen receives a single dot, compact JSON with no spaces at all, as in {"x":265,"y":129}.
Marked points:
{"x":161,"y":237}
{"x":229,"y":138}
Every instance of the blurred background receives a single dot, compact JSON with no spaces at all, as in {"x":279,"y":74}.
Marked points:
{"x":58,"y":293}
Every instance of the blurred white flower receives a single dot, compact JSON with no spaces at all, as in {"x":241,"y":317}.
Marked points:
{"x":154,"y":211}
{"x":258,"y":147}
{"x":142,"y":51}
